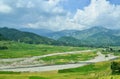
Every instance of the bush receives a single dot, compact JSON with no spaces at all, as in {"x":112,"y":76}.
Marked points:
{"x":3,"y":47}
{"x":115,"y":67}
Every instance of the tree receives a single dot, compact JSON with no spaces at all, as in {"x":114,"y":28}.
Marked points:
{"x":115,"y":67}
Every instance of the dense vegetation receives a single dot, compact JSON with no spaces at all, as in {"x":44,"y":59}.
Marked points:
{"x":115,"y":67}
{"x":2,"y":37}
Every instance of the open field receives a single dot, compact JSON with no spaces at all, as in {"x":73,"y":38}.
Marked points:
{"x":93,"y":71}
{"x":97,"y":70}
{"x":69,"y":58}
{"x":17,"y":50}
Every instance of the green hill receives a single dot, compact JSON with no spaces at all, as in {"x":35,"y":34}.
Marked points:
{"x":26,"y":37}
{"x":2,"y":37}
{"x":70,"y":41}
{"x":93,"y":37}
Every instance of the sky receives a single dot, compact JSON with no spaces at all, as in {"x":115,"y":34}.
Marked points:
{"x":60,"y":14}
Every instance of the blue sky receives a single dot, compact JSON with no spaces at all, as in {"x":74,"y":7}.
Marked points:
{"x":73,"y":5}
{"x":60,"y":14}
{"x":117,"y":2}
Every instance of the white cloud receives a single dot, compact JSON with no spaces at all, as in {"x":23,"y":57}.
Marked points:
{"x":99,"y":13}
{"x":56,"y":23}
{"x":5,"y":8}
{"x":50,"y":14}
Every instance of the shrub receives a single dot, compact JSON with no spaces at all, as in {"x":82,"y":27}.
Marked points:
{"x":3,"y":47}
{"x":115,"y":67}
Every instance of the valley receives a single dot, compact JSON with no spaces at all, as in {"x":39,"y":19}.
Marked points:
{"x":59,"y":39}
{"x":57,"y":62}
{"x":69,"y":58}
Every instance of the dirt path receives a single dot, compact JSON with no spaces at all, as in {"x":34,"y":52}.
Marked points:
{"x":18,"y":62}
{"x":35,"y":57}
{"x":39,"y":68}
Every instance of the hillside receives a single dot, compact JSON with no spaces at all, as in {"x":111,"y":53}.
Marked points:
{"x":96,"y":36}
{"x":27,"y":37}
{"x":83,"y":34}
{"x":2,"y":37}
{"x":70,"y":41}
{"x":59,"y":34}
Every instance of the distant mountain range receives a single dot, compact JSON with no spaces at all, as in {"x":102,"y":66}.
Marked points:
{"x":42,"y":32}
{"x":27,"y":37}
{"x":96,"y":36}
{"x":83,"y":34}
{"x":58,"y":34}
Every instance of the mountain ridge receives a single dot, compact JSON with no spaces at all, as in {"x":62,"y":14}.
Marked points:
{"x":27,"y":37}
{"x":95,"y":37}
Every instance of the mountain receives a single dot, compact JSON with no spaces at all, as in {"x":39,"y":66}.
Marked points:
{"x":83,"y":34}
{"x":27,"y":37}
{"x":96,"y":36}
{"x":70,"y":41}
{"x":58,"y":34}
{"x":2,"y":37}
{"x":42,"y":32}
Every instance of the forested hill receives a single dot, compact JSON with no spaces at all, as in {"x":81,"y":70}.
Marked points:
{"x":2,"y":37}
{"x":26,"y":37}
{"x":97,"y":36}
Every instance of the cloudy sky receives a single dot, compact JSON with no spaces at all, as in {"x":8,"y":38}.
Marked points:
{"x":60,"y":14}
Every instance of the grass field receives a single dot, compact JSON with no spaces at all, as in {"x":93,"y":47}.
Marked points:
{"x":69,"y":58}
{"x":17,"y":50}
{"x":93,"y":71}
{"x":99,"y":70}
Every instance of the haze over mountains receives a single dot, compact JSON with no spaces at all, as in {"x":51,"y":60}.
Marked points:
{"x":96,"y":36}
{"x":43,"y":32}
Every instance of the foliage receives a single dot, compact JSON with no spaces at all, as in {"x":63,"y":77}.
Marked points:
{"x":115,"y":67}
{"x":2,"y":37}
{"x":3,"y":47}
